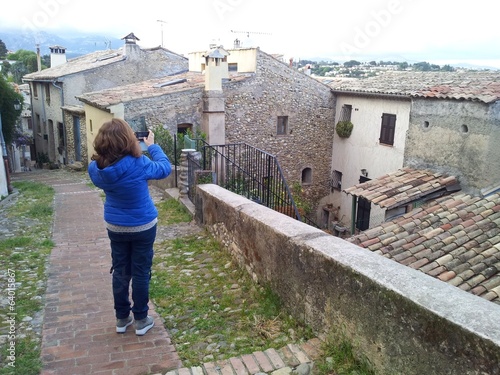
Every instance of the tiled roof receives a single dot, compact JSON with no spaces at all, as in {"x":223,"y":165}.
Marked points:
{"x":79,"y":64}
{"x":480,"y":86}
{"x":150,"y":88}
{"x":455,"y":239}
{"x":401,"y":187}
{"x":91,"y":61}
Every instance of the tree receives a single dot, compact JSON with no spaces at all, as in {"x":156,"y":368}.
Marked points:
{"x":6,"y":67}
{"x":422,"y":66}
{"x":8,"y":97}
{"x":26,"y":62}
{"x":18,"y":70}
{"x":403,"y":65}
{"x":3,"y":49}
{"x":351,"y":63}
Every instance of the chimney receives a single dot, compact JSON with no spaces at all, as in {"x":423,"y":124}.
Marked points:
{"x":38,"y":58}
{"x":57,"y":55}
{"x":131,"y":49}
{"x":216,"y":68}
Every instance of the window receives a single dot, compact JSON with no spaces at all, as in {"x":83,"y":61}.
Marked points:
{"x":336,"y":180}
{"x":60,"y":133}
{"x":345,"y":113}
{"x":38,"y":123}
{"x":282,"y":127}
{"x":184,"y":128}
{"x":35,"y":90}
{"x":306,"y":175}
{"x":47,"y":93}
{"x":387,"y":129}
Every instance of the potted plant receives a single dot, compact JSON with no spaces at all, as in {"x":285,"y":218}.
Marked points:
{"x":344,"y":129}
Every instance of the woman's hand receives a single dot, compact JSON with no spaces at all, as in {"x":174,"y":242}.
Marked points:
{"x":150,"y":139}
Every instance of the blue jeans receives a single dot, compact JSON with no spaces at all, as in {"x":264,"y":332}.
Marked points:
{"x":132,"y":256}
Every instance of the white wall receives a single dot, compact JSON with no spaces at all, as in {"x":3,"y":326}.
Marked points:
{"x":3,"y":180}
{"x":362,"y":149}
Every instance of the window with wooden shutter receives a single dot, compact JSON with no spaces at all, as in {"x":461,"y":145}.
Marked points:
{"x":387,"y":129}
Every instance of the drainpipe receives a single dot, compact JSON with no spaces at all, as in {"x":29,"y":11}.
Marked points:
{"x":353,"y":215}
{"x":63,"y":122}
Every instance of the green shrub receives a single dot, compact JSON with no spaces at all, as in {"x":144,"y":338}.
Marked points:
{"x":344,"y":129}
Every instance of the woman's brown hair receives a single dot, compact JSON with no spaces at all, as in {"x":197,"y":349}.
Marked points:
{"x":115,"y":140}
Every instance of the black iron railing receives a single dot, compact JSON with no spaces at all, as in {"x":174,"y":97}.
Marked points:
{"x":244,"y":170}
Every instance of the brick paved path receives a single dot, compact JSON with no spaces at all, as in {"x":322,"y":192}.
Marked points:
{"x":79,"y":325}
{"x":79,"y":334}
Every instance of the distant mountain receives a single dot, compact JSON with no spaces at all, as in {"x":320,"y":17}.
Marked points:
{"x":75,"y":44}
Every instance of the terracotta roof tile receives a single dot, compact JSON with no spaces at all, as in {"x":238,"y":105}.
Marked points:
{"x":455,"y":238}
{"x":436,"y":271}
{"x":477,"y":86}
{"x":478,"y":290}
{"x":444,"y":259}
{"x":401,"y":187}
{"x":496,"y":290}
{"x":493,"y":281}
{"x":446,"y":276}
{"x":416,"y":264}
{"x":428,"y":267}
{"x":375,"y":246}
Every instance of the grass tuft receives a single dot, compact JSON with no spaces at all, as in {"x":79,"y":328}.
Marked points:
{"x":23,"y":257}
{"x":340,"y":358}
{"x":171,"y":211}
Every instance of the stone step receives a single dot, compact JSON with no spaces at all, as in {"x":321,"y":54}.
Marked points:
{"x":297,"y":358}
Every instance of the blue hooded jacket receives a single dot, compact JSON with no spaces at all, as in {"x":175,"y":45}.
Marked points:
{"x":125,"y":183}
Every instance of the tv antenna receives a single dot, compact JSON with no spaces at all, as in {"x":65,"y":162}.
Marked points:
{"x":249,"y":32}
{"x":161,"y":22}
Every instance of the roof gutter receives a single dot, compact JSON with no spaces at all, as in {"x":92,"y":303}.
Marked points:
{"x":373,"y":94}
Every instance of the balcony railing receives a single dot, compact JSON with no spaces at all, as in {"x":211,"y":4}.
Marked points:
{"x":244,"y":170}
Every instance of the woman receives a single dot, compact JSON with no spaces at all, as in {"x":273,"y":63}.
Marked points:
{"x":122,"y":171}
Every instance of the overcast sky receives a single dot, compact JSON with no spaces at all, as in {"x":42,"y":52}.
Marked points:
{"x":438,"y":31}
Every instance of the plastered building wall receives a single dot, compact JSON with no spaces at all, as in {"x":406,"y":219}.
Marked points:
{"x":459,"y":138}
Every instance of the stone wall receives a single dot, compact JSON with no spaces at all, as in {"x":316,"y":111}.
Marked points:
{"x":459,"y":138}
{"x":252,"y":110}
{"x":169,"y":110}
{"x":70,"y":136}
{"x":402,"y":320}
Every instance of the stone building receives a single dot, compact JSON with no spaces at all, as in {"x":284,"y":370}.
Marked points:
{"x":263,"y":102}
{"x":54,"y":91}
{"x":446,"y":122}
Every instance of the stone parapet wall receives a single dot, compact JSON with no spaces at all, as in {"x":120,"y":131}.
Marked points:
{"x":402,"y":320}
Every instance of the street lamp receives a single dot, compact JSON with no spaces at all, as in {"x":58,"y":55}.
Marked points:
{"x":10,"y":189}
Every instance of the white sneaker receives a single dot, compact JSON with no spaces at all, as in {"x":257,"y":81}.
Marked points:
{"x":122,"y":324}
{"x":143,"y":325}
